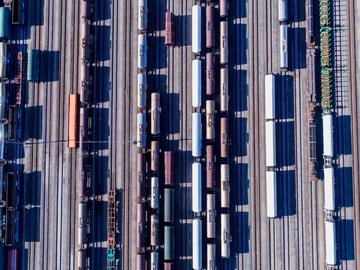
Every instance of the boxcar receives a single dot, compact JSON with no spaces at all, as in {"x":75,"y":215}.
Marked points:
{"x":224,"y":89}
{"x":169,"y":29}
{"x":210,"y":216}
{"x":196,"y":83}
{"x":142,"y":52}
{"x":210,"y":167}
{"x":168,"y":205}
{"x":73,"y":120}
{"x":329,"y":189}
{"x":210,"y":119}
{"x":224,"y":8}
{"x":224,"y":185}
{"x":224,"y":133}
{"x":141,"y":130}
{"x":168,"y":243}
{"x":284,"y":47}
{"x":225,"y":236}
{"x":154,"y":230}
{"x":154,"y":192}
{"x":155,"y":114}
{"x":33,"y":65}
{"x":142,"y":89}
{"x":11,"y":192}
{"x":270,"y":97}
{"x":270,"y":144}
{"x":283,"y":13}
{"x":169,"y":173}
{"x":224,"y":42}
{"x":196,"y":134}
{"x":196,"y":29}
{"x":140,"y":236}
{"x":210,"y":256}
{"x":154,"y":154}
{"x":3,"y":59}
{"x":210,"y":80}
{"x":140,"y":175}
{"x":210,"y":35}
{"x":271,"y":194}
{"x":196,"y":187}
{"x":328,"y":143}
{"x":330,"y":243}
{"x":142,"y":15}
{"x":197,"y":244}
{"x":12,"y":123}
{"x":12,"y":259}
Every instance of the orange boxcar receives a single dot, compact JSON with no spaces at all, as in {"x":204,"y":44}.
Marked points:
{"x":72,"y":120}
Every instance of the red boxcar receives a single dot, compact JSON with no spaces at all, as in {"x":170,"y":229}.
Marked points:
{"x":169,"y":29}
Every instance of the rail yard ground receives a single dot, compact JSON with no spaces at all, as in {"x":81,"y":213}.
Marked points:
{"x":51,"y":175}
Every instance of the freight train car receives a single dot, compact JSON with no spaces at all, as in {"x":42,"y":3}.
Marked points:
{"x":224,"y":137}
{"x":328,"y":136}
{"x":196,"y":83}
{"x":140,"y":261}
{"x":12,"y":259}
{"x":196,"y":29}
{"x":9,"y":227}
{"x":224,"y":42}
{"x":210,"y":29}
{"x":82,"y":224}
{"x":210,"y":216}
{"x":11,"y":191}
{"x":154,"y":230}
{"x":330,"y":243}
{"x":329,"y":189}
{"x":140,"y":175}
{"x":224,"y":89}
{"x":154,"y":156}
{"x":168,"y":243}
{"x":154,"y":192}
{"x":4,"y":23}
{"x":141,"y":90}
{"x":210,"y":256}
{"x":271,"y":194}
{"x":12,"y":124}
{"x":169,"y":266}
{"x":196,"y":134}
{"x":210,"y":79}
{"x":224,"y":6}
{"x":197,"y":244}
{"x":73,"y":122}
{"x":33,"y":66}
{"x":224,"y":186}
{"x":196,"y":187}
{"x":169,"y":205}
{"x":141,"y":130}
{"x":210,"y":120}
{"x":270,"y":97}
{"x":284,"y":64}
{"x":270,"y":144}
{"x":155,"y":114}
{"x":3,"y":60}
{"x":210,"y":167}
{"x":169,"y":164}
{"x":142,"y":52}
{"x":225,"y":235}
{"x":169,"y":29}
{"x":140,"y":232}
{"x":283,"y":11}
{"x":142,"y":15}
{"x":81,"y":259}
{"x":17,"y":11}
{"x":2,"y":103}
{"x":85,"y":49}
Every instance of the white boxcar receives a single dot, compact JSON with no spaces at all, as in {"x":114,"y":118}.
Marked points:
{"x":210,"y":119}
{"x":329,"y":189}
{"x":224,"y":42}
{"x":142,"y":89}
{"x":330,"y":242}
{"x":270,"y":144}
{"x":3,"y":59}
{"x":283,"y":13}
{"x":197,"y":244}
{"x":154,"y":192}
{"x":142,"y":16}
{"x":224,"y":185}
{"x":196,"y":134}
{"x":210,"y":216}
{"x":269,"y":96}
{"x":328,"y":135}
{"x":154,"y":260}
{"x":196,"y":187}
{"x":225,"y":236}
{"x":196,"y":83}
{"x":271,"y":194}
{"x":141,"y":130}
{"x":210,"y":257}
{"x":284,"y":47}
{"x":224,"y":90}
{"x":155,"y":114}
{"x":196,"y":29}
{"x":142,"y":51}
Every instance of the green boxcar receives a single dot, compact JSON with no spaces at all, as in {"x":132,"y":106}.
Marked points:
{"x":33,"y":65}
{"x":169,"y":205}
{"x":4,"y":23}
{"x":168,"y":243}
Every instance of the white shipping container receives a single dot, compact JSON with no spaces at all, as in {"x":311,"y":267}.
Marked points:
{"x":283,"y":13}
{"x":328,"y":135}
{"x":142,"y":50}
{"x":142,"y":15}
{"x":270,"y":144}
{"x":142,"y":88}
{"x":271,"y":194}
{"x":329,"y":189}
{"x":141,"y":130}
{"x":330,"y":242}
{"x":284,"y":47}
{"x":196,"y":187}
{"x":197,"y":244}
{"x":196,"y":29}
{"x":196,"y":83}
{"x":225,"y":236}
{"x":269,"y":96}
{"x":196,"y":134}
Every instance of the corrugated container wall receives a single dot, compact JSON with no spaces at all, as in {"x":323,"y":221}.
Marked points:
{"x":328,"y":135}
{"x":330,"y":243}
{"x":270,"y":144}
{"x":271,"y":194}
{"x":269,"y":97}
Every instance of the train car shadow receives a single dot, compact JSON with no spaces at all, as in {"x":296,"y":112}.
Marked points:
{"x":100,"y":129}
{"x":284,"y":94}
{"x":239,"y":90}
{"x":181,"y":24}
{"x":98,"y":257}
{"x":343,"y":186}
{"x":238,"y":43}
{"x":156,"y":15}
{"x":238,"y":144}
{"x":285,"y":146}
{"x":286,"y":199}
{"x":239,"y":184}
{"x":342,"y":135}
{"x":239,"y":8}
{"x":156,"y":52}
{"x":32,"y":188}
{"x":297,"y":48}
{"x":35,"y":12}
{"x":99,"y":175}
{"x":170,"y":117}
{"x":240,"y":231}
{"x":101,"y":84}
{"x":296,"y":11}
{"x":102,"y":10}
{"x":101,"y":43}
{"x":98,"y":221}
{"x":50,"y":62}
{"x":345,"y":239}
{"x":33,"y":115}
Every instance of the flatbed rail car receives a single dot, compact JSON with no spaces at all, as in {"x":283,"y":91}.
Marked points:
{"x":17,"y":11}
{"x":72,"y":124}
{"x":12,"y":259}
{"x":169,"y":29}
